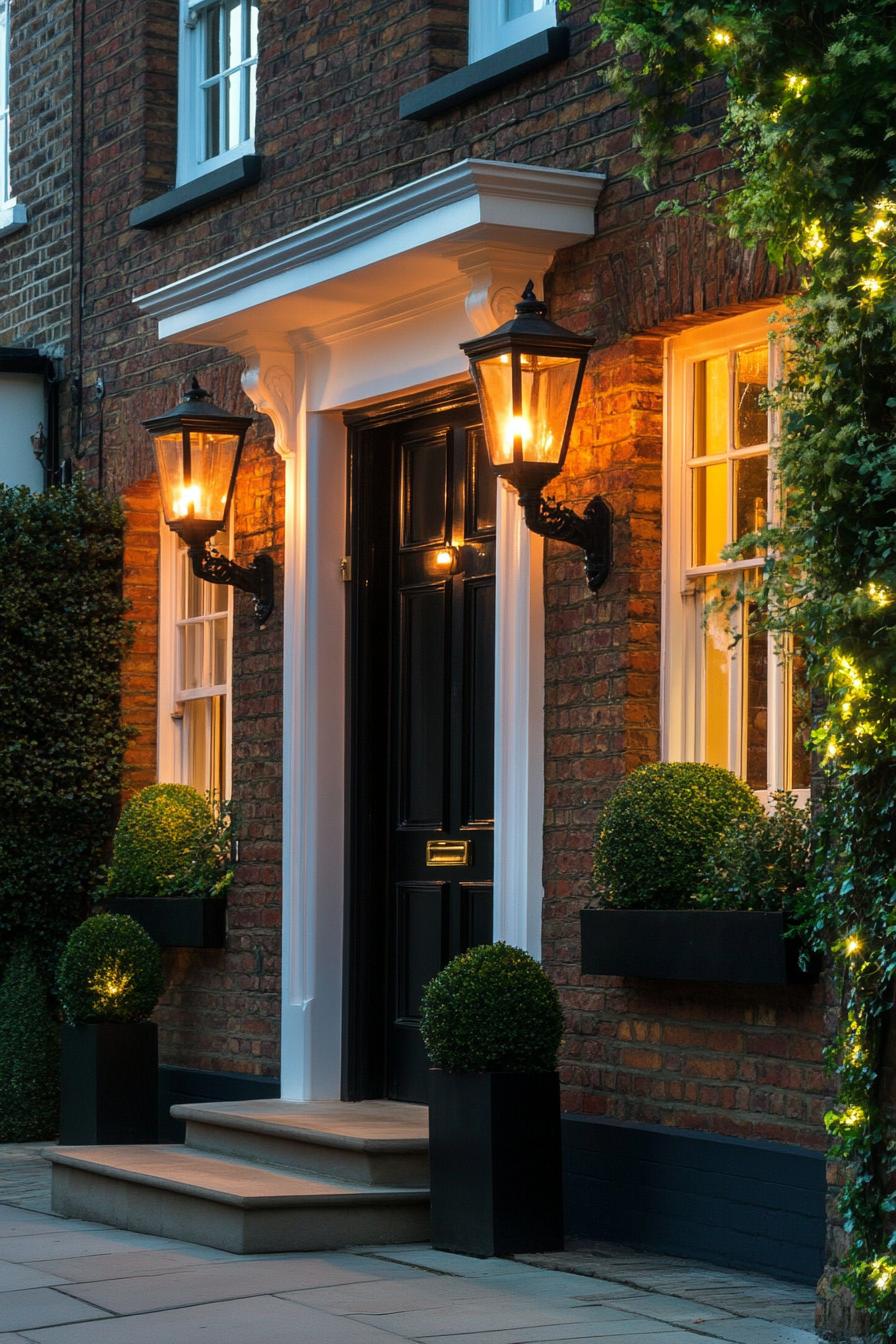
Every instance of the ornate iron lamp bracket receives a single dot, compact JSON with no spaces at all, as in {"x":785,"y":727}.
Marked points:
{"x":257,"y":578}
{"x":593,"y":532}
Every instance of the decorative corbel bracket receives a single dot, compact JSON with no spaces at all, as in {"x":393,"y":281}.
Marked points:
{"x":592,"y":532}
{"x":269,"y":381}
{"x":495,"y":280}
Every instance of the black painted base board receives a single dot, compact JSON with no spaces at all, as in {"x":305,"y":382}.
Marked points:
{"x":750,"y":1205}
{"x":178,"y":1087}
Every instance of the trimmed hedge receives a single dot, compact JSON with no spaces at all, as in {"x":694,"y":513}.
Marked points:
{"x":111,"y":971}
{"x":659,"y":829}
{"x":62,"y":637}
{"x":492,"y":1009}
{"x":170,"y":841}
{"x":29,"y":1054}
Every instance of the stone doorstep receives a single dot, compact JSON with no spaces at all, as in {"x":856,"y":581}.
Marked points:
{"x":375,"y":1143}
{"x":244,"y":1207}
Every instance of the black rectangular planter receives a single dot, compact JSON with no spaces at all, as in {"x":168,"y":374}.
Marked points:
{"x":110,"y":1082}
{"x":177,"y":921}
{"x":738,"y":947}
{"x":495,"y":1170}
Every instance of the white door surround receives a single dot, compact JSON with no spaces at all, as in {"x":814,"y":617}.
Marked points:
{"x":348,"y":311}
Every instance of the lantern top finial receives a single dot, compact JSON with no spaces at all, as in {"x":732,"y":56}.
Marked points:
{"x":529,"y":305}
{"x":196,"y":393}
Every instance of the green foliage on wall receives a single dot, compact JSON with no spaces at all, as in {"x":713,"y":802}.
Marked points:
{"x":62,"y":636}
{"x":809,"y":124}
{"x":29,"y":1054}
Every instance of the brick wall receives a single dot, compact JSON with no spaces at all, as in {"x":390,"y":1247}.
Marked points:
{"x":330,"y":78}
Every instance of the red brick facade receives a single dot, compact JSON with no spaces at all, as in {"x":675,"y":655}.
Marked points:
{"x":727,"y":1061}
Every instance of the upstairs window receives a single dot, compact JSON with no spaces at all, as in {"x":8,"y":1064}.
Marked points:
{"x":218,"y":59}
{"x":4,"y":102}
{"x":495,"y":24}
{"x":732,"y":697}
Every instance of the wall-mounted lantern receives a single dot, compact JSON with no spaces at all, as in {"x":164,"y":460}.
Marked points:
{"x":528,"y":374}
{"x":198,"y":447}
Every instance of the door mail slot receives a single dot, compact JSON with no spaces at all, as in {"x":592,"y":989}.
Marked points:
{"x":447,"y":853}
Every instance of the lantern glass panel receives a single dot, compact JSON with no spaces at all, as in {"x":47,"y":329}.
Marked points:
{"x":537,"y":431}
{"x":202,"y":489}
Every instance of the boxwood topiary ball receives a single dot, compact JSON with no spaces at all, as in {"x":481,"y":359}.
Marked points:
{"x":492,"y":1009}
{"x":161,"y":834}
{"x":658,"y":829}
{"x":110,"y":971}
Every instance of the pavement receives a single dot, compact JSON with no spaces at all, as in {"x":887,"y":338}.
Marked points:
{"x":64,"y":1281}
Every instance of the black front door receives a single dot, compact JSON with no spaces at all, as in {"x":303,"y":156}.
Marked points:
{"x":423,"y":504}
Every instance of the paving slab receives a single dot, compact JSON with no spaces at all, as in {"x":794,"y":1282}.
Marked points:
{"x":128,"y":1264}
{"x":216,"y":1283}
{"x":60,"y":1243}
{"x":632,"y":1330}
{"x":388,"y":1295}
{"x":268,"y":1319}
{"x":676,"y":1310}
{"x":42,"y":1306}
{"x":13,"y":1277}
{"x":441,"y":1262}
{"x":751,"y":1330}
{"x":499,"y":1312}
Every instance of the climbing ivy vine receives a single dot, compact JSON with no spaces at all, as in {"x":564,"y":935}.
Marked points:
{"x":811,"y":134}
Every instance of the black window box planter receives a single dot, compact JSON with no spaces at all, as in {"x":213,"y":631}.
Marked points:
{"x":494,"y":1156}
{"x":737,"y":947}
{"x":177,"y":921}
{"x":110,"y":1083}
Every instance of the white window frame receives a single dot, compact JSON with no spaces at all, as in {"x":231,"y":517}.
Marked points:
{"x":191,"y":160}
{"x":490,"y":29}
{"x":13,"y":215}
{"x":173,"y":750}
{"x":681,"y":728}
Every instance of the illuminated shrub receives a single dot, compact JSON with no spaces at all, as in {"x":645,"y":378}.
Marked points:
{"x":110,"y":971}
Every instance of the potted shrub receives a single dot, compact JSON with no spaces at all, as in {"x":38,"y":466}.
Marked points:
{"x":110,"y":978}
{"x":696,"y":882}
{"x":492,"y":1023}
{"x":171,"y":866}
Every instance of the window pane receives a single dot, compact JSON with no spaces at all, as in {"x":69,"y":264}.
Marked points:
{"x":212,"y":120}
{"x":716,"y":681}
{"x":711,"y":407}
{"x":219,"y":656}
{"x":253,"y":28}
{"x":193,"y":656}
{"x":233,"y":33}
{"x":211,"y":27}
{"x":751,"y":495}
{"x":517,"y":8}
{"x":751,"y":419}
{"x":232,"y":120}
{"x":204,"y":755}
{"x":754,"y":657}
{"x":250,"y":75}
{"x":710,"y":513}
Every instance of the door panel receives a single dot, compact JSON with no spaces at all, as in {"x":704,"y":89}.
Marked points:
{"x":421,"y":767}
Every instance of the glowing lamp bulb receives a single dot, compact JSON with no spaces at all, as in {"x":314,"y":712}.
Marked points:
{"x":187,"y":503}
{"x":853,"y":945}
{"x":445,"y":557}
{"x":720,"y":37}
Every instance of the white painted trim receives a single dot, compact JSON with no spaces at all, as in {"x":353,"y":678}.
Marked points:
{"x":456,"y":205}
{"x":190,"y":104}
{"x":490,"y":30}
{"x":519,"y":729}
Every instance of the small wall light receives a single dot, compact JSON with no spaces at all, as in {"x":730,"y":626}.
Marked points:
{"x":445,"y":560}
{"x":198,"y":447}
{"x":528,"y":375}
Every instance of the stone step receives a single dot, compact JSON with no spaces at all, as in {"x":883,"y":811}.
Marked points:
{"x":244,"y":1207}
{"x":363,"y":1142}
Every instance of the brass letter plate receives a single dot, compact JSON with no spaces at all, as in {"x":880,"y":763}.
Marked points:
{"x":447,"y":853}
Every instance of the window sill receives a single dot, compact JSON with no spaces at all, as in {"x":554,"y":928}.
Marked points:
{"x":224,"y":181}
{"x":13,"y":216}
{"x":463,"y":86}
